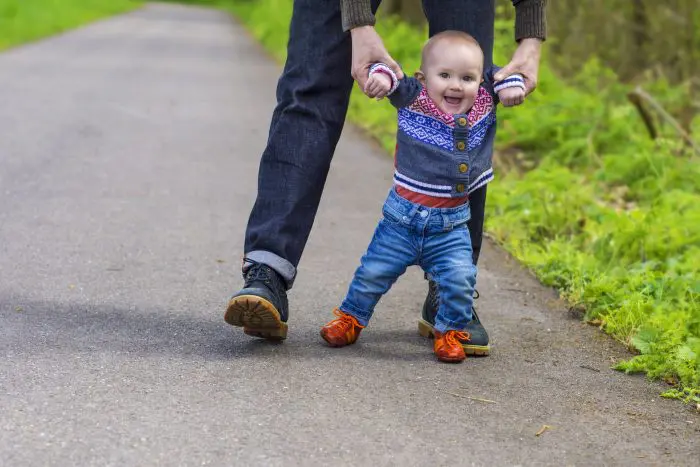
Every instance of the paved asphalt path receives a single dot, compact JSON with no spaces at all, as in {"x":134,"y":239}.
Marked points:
{"x":128,"y":165}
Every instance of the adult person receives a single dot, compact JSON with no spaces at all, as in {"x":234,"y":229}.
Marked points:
{"x":332,"y":42}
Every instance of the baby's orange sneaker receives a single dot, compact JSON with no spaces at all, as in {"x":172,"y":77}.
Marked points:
{"x":344,"y":330}
{"x":448,"y":346}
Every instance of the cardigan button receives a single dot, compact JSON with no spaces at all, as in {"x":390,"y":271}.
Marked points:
{"x":460,"y":188}
{"x":463,"y":167}
{"x":461,"y":145}
{"x":462,"y":121}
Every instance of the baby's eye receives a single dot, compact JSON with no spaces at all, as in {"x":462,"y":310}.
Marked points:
{"x":468,"y":78}
{"x":444,"y":75}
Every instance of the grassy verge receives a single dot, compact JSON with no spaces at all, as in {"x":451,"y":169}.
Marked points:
{"x":583,"y":197}
{"x":27,"y":20}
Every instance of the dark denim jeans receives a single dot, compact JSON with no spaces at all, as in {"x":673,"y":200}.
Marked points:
{"x":312,"y":100}
{"x":409,"y":234}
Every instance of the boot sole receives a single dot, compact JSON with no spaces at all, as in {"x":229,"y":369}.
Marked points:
{"x":257,"y":316}
{"x":426,"y":329}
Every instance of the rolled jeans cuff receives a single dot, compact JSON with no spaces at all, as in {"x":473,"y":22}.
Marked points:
{"x":361,"y":316}
{"x":283,"y":267}
{"x":444,"y":326}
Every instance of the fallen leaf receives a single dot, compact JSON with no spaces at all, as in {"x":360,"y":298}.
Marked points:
{"x":220,"y":261}
{"x":19,"y":308}
{"x":543,"y":429}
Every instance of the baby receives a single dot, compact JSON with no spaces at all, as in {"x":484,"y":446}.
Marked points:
{"x":446,"y":125}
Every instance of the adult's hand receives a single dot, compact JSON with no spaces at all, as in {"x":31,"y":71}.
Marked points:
{"x":368,"y":49}
{"x":526,"y":61}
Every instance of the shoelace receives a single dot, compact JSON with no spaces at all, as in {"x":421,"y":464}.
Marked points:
{"x":454,"y":337}
{"x":258,"y":273}
{"x":346,"y":320}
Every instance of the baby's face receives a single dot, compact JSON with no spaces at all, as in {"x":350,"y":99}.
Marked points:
{"x":452,"y":75}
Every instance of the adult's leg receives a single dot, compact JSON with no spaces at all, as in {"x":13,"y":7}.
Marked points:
{"x":477,"y":204}
{"x":312,"y":101}
{"x":475,"y":17}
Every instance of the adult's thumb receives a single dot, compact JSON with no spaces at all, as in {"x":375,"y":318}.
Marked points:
{"x":395,"y":68}
{"x":504,"y":72}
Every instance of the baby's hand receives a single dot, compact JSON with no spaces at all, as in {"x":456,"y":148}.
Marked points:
{"x":510,"y":97}
{"x":378,"y":85}
{"x":511,"y":91}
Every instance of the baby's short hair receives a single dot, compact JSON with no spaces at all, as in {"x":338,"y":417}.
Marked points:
{"x":450,"y":35}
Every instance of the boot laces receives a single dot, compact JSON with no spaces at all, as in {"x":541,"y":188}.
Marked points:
{"x":258,"y":272}
{"x":456,"y":337}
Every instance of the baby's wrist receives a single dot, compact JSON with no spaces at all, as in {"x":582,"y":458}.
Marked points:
{"x":386,"y":71}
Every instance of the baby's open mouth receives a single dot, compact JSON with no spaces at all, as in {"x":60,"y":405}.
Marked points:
{"x":453,"y":100}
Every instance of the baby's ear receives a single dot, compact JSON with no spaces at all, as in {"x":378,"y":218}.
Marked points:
{"x":420,"y":77}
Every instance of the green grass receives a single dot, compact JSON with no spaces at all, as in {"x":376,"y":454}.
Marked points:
{"x":582,"y":197}
{"x":27,"y":20}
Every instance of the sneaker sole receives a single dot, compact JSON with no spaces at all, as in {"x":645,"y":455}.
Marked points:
{"x":450,"y":360}
{"x":336,"y":344}
{"x":426,"y":329}
{"x":257,"y":316}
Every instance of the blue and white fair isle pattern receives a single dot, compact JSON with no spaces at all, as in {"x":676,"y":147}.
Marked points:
{"x":425,"y":129}
{"x":425,"y":122}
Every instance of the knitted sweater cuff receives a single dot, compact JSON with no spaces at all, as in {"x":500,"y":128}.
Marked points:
{"x":382,"y":68}
{"x":512,"y":81}
{"x":530,"y":19}
{"x":356,"y":13}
